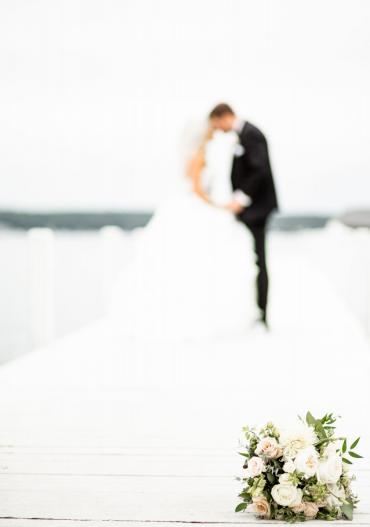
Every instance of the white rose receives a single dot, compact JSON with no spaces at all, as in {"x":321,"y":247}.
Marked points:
{"x":307,"y":462}
{"x":268,"y":447}
{"x":294,"y":440}
{"x":330,"y":469}
{"x":286,"y":495}
{"x":331,"y":448}
{"x":284,"y":479}
{"x":298,"y":498}
{"x":336,"y":496}
{"x":255,"y":467}
{"x":289,"y":466}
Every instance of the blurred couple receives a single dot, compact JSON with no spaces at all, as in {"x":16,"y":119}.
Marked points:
{"x":199,"y":267}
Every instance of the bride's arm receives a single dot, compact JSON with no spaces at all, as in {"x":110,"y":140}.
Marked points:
{"x":194,"y":171}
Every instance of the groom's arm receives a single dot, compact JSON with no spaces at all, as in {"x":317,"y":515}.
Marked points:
{"x":257,"y":163}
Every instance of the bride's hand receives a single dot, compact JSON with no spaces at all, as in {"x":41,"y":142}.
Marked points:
{"x":234,"y":207}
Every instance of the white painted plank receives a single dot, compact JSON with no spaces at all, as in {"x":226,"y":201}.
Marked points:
{"x":359,"y":520}
{"x":87,"y":523}
{"x":150,"y":464}
{"x":153,"y":462}
{"x":363,"y":520}
{"x":123,"y":498}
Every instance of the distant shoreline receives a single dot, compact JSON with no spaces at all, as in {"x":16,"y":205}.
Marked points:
{"x":131,"y":220}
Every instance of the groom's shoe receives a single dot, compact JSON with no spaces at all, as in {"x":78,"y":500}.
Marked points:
{"x":260,"y":327}
{"x":261,"y":323}
{"x":264,"y":321}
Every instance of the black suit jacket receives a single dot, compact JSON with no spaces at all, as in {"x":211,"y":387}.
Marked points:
{"x":251,"y":173}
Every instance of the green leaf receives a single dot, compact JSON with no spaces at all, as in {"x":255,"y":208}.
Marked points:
{"x":320,"y":430}
{"x":322,"y":442}
{"x":244,"y":495}
{"x":241,"y":507}
{"x":345,"y":460}
{"x":270,"y":477}
{"x":347,"y":510}
{"x":353,"y":454}
{"x":344,"y":446}
{"x":310,"y":419}
{"x":355,"y":443}
{"x":242,"y":454}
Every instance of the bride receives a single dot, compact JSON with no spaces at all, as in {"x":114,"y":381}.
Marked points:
{"x":192,"y":272}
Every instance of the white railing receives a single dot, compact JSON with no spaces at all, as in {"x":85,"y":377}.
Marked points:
{"x":345,"y":251}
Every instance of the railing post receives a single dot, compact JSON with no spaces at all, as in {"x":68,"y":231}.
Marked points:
{"x":41,"y":286}
{"x":111,"y":242}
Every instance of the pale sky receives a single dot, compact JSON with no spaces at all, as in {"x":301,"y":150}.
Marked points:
{"x":96,"y":96}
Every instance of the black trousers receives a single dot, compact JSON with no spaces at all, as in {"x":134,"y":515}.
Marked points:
{"x":259,"y":237}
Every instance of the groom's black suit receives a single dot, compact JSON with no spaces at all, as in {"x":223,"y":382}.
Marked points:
{"x":251,"y":173}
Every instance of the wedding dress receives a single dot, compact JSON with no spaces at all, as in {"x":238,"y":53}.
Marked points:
{"x":192,"y":272}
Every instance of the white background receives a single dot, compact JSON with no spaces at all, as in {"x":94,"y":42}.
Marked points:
{"x":97,"y":96}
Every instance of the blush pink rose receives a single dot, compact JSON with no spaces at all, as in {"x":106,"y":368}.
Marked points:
{"x":256,"y":466}
{"x":260,"y":506}
{"x":268,"y":447}
{"x":308,"y":508}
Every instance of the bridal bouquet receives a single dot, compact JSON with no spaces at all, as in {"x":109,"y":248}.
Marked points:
{"x":298,"y":474}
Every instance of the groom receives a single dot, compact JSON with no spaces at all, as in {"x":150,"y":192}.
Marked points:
{"x":254,"y":196}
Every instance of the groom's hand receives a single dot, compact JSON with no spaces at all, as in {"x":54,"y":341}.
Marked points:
{"x":235,"y":207}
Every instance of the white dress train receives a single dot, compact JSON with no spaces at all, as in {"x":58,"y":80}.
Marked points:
{"x":192,"y":272}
